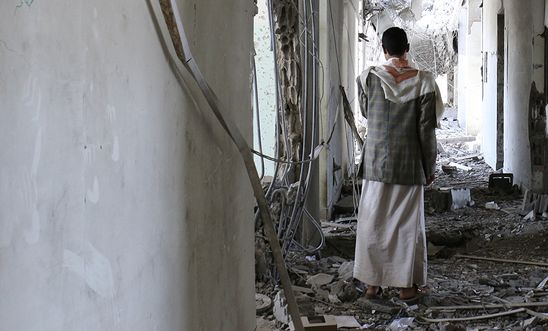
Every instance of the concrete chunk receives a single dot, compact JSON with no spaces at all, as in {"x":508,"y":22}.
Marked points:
{"x":346,"y":270}
{"x":319,"y":280}
{"x":460,"y":198}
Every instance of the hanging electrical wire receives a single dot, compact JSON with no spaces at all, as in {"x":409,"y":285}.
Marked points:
{"x":293,"y":162}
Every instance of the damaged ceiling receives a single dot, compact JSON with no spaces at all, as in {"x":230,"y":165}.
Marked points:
{"x":431,"y":27}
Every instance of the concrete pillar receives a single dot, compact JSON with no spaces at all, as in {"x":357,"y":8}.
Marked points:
{"x":325,"y":76}
{"x":493,"y":71}
{"x":310,"y":236}
{"x":123,"y":204}
{"x":469,"y":68}
{"x":520,"y":75}
{"x":337,"y":27}
{"x":331,"y":167}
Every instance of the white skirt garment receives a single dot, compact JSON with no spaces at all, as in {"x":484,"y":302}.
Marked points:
{"x":390,"y":242}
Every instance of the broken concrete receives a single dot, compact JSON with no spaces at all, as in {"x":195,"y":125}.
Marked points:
{"x":460,"y":198}
{"x":345,"y":291}
{"x":262,"y":303}
{"x":319,"y":280}
{"x":445,"y":199}
{"x":318,"y":323}
{"x":346,"y":270}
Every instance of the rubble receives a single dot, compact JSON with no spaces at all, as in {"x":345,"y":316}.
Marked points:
{"x":483,"y":254}
{"x":492,"y":205}
{"x":345,"y":291}
{"x":446,"y":198}
{"x":448,"y":169}
{"x":346,"y":270}
{"x":460,"y":198}
{"x":401,"y":324}
{"x":347,"y":322}
{"x":262,"y":303}
{"x":319,"y":280}
{"x":535,"y":202}
{"x":318,"y":323}
{"x":459,"y":166}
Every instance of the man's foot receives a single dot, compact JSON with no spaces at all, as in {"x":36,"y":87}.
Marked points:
{"x":408,"y":293}
{"x":373,"y":292}
{"x":411,"y":295}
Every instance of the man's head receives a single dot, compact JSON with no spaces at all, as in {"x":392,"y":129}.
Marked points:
{"x":394,"y":42}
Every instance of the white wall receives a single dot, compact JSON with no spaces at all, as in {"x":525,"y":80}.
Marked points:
{"x":469,"y":68}
{"x":123,"y":205}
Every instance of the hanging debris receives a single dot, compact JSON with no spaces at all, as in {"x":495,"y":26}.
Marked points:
{"x":431,"y":27}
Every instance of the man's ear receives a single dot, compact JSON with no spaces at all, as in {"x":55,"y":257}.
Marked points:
{"x":407,"y":48}
{"x":384,"y":50}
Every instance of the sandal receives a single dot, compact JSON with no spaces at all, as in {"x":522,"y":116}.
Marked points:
{"x":415,"y":298}
{"x":374,"y":296}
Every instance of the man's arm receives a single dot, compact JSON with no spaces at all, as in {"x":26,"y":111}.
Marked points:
{"x":427,"y":134}
{"x":362,"y":97}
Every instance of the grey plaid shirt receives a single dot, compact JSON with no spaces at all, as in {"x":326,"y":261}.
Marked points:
{"x":401,"y":146}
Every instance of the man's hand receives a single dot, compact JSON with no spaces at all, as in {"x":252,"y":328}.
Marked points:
{"x":430,"y":180}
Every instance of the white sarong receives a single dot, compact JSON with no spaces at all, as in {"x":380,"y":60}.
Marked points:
{"x":390,"y":242}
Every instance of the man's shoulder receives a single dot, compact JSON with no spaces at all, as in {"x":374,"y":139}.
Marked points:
{"x":427,"y":74}
{"x":362,"y":78}
{"x":428,"y":80}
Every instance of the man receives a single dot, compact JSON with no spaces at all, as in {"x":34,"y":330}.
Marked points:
{"x":401,"y":105}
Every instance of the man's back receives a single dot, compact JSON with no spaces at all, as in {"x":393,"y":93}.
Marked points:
{"x":400,"y":145}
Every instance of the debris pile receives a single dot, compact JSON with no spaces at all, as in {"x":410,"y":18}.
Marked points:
{"x":463,"y":291}
{"x":488,"y":264}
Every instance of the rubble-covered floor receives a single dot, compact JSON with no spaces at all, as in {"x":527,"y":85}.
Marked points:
{"x":474,"y":230}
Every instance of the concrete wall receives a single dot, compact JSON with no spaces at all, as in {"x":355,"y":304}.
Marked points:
{"x":123,"y":205}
